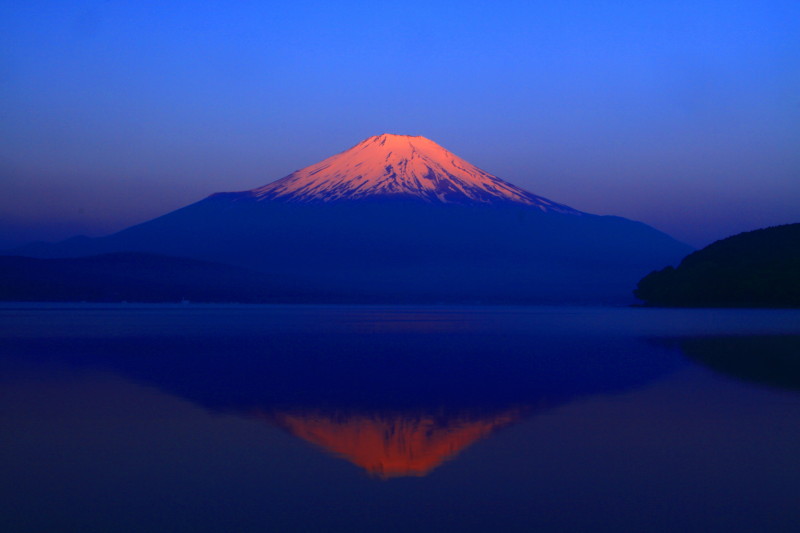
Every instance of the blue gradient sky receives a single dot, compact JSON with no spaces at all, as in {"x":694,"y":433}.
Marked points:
{"x":682,"y":114}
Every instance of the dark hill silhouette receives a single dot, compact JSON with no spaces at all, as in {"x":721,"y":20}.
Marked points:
{"x":754,"y":269}
{"x":134,"y":277}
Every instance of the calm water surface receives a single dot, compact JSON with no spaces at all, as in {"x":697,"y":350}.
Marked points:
{"x":306,"y":418}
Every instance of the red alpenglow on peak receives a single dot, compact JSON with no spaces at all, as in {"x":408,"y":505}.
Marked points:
{"x":400,"y":166}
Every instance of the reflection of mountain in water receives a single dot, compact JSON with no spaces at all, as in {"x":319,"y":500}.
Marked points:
{"x":392,"y":444}
{"x":773,"y":361}
{"x":393,"y":402}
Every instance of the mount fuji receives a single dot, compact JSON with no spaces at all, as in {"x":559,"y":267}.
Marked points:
{"x":399,"y":166}
{"x":398,"y":218}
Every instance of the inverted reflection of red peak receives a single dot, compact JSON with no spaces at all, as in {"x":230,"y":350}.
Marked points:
{"x":392,"y":445}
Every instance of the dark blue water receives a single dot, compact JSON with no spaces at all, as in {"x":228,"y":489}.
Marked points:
{"x":302,"y":418}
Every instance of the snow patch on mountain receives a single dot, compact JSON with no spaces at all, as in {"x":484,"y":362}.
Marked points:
{"x":399,"y":166}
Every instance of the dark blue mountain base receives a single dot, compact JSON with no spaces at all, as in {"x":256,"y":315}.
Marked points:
{"x":403,"y":250}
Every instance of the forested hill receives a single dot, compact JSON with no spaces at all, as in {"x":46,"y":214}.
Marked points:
{"x":755,"y":269}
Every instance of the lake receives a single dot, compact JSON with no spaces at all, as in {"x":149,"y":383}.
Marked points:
{"x":366,"y":418}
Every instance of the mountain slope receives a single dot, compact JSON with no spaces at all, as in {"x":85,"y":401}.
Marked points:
{"x":345,"y":230}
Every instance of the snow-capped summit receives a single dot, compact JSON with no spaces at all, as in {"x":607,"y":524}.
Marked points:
{"x":399,"y":166}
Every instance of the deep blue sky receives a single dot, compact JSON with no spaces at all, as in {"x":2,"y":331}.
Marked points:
{"x":682,"y":114}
